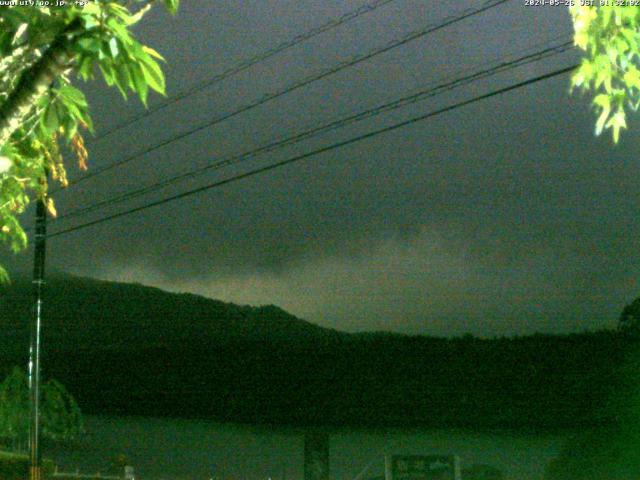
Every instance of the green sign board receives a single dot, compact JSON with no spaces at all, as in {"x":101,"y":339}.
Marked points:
{"x":422,"y":467}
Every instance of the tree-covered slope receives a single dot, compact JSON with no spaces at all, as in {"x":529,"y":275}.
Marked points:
{"x":132,"y":349}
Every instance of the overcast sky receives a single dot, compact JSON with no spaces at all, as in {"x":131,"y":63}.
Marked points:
{"x":503,"y":217}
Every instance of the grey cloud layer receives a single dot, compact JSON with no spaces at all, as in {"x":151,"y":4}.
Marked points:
{"x":507,"y":216}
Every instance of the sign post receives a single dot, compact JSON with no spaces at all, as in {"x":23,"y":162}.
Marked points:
{"x":316,"y":456}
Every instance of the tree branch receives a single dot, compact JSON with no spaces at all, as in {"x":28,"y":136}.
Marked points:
{"x":35,"y":81}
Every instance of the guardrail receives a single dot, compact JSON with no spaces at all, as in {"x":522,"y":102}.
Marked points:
{"x":77,"y":475}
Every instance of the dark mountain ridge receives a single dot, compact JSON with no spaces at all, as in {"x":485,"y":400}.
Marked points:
{"x":88,"y":313}
{"x":131,"y":349}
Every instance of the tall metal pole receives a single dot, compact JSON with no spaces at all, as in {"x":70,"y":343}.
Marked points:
{"x":35,"y":470}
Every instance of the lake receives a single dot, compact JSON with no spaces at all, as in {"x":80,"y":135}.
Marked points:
{"x":173,"y":449}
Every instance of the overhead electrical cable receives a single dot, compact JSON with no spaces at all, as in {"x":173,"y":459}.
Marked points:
{"x":336,"y":124}
{"x":315,"y":152}
{"x":272,"y":96}
{"x":250,"y":62}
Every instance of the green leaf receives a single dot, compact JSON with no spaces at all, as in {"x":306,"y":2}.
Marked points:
{"x":113,"y":47}
{"x":107,"y":72}
{"x":583,"y":75}
{"x":123,"y":79}
{"x":120,"y":12}
{"x":70,"y":127}
{"x":90,"y":21}
{"x":607,"y":13}
{"x":616,"y":123}
{"x":153,"y":74}
{"x":172,"y":5}
{"x":629,"y":34}
{"x":91,"y":45}
{"x":72,"y":94}
{"x":4,"y":276}
{"x":85,"y":67}
{"x":86,"y":118}
{"x":604,"y":102}
{"x":602,"y":72}
{"x":133,"y":19}
{"x":621,"y":45}
{"x":632,"y":77}
{"x":139,"y":81}
{"x":153,"y":53}
{"x":120,"y":31}
{"x":92,"y":8}
{"x":50,"y":119}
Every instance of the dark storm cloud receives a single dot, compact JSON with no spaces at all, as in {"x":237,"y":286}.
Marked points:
{"x":506,"y":216}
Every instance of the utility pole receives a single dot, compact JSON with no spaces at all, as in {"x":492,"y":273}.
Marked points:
{"x":316,"y":455}
{"x":35,"y":469}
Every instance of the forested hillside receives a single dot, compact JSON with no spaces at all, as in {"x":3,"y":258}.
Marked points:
{"x":130,"y":349}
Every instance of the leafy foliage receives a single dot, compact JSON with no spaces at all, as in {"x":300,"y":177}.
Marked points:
{"x":14,"y":466}
{"x":629,"y":321}
{"x":59,"y":43}
{"x":61,"y":418}
{"x":611,"y":39}
{"x":14,"y":407}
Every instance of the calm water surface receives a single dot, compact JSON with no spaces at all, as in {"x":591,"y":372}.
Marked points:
{"x":173,"y":449}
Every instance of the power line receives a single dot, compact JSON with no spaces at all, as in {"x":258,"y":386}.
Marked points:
{"x":363,"y":115}
{"x":307,"y":81}
{"x":245,"y":64}
{"x":317,"y":151}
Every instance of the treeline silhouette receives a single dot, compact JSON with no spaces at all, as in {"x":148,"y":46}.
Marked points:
{"x":135,"y":350}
